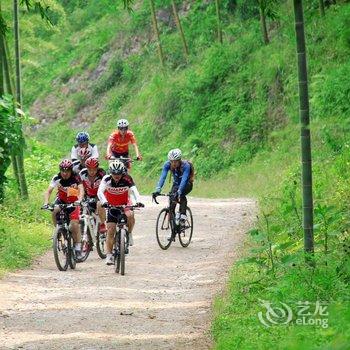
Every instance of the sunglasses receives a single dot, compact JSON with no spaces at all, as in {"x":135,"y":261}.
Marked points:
{"x":123,"y":128}
{"x":66,"y":170}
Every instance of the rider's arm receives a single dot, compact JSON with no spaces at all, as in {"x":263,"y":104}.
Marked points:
{"x":47,"y":195}
{"x":81,"y":192}
{"x":94,"y":152}
{"x":134,"y":195}
{"x":162,"y":178}
{"x":138,"y":155}
{"x":74,"y":153}
{"x":185,"y":178}
{"x":101,"y":190}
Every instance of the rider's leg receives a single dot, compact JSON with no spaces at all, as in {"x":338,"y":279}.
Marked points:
{"x":102,"y":215}
{"x":131,"y":223}
{"x":54,"y":216}
{"x":111,"y":227}
{"x":183,"y":199}
{"x":75,"y":228}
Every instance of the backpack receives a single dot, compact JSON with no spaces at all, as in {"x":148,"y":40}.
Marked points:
{"x":192,"y":172}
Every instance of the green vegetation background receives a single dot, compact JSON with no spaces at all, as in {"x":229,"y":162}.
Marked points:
{"x":233,"y":109}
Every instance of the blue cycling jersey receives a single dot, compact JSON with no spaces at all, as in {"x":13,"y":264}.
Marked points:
{"x":181,"y":176}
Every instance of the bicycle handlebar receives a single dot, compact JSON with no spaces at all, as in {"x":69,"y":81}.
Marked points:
{"x":128,"y":159}
{"x":154,"y":196}
{"x":125,"y":206}
{"x":51,"y":207}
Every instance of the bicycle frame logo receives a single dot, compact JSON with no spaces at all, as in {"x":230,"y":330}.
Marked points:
{"x":283,"y":314}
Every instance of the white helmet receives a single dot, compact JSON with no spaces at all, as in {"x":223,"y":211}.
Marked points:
{"x":117,"y":167}
{"x":175,"y":154}
{"x":122,"y":123}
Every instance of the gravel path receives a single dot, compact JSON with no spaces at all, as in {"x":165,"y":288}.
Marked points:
{"x":163,"y":302}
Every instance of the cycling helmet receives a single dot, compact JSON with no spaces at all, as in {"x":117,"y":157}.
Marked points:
{"x":84,"y":153}
{"x":82,"y":137}
{"x":174,"y":154}
{"x":66,"y":164}
{"x":122,"y":123}
{"x":92,"y":163}
{"x":117,"y":167}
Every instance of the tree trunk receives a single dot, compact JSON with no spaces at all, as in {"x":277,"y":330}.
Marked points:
{"x":217,"y":3}
{"x":17,"y":53}
{"x":156,"y":32}
{"x":322,"y":12}
{"x":179,"y":27}
{"x":305,"y":132}
{"x":263,"y":24}
{"x":19,"y":158}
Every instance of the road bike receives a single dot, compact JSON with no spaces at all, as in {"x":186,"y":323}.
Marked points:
{"x":169,"y":225}
{"x":90,"y":228}
{"x":62,"y":240}
{"x":121,"y":237}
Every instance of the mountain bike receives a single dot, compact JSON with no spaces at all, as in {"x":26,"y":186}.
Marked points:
{"x":168,"y":225}
{"x":121,"y":237}
{"x":90,"y":227}
{"x":62,"y":240}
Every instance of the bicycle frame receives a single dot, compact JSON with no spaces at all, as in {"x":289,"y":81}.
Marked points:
{"x":91,"y":220}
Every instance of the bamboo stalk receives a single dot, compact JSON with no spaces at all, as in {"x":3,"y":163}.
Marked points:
{"x":263,"y":25}
{"x":304,"y":131}
{"x":179,"y":27}
{"x":218,"y":16}
{"x":156,"y":32}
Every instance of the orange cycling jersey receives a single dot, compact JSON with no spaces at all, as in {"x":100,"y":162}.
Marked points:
{"x":120,"y":143}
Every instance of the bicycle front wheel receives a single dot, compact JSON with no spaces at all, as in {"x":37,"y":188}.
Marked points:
{"x":122,"y":245}
{"x":101,"y":244}
{"x":72,"y":257}
{"x":86,"y":242}
{"x":186,"y":229}
{"x":60,"y":249}
{"x":164,"y":229}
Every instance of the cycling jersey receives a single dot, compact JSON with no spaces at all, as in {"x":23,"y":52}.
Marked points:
{"x":91,"y":187}
{"x":67,"y":190}
{"x":119,"y":143}
{"x":91,"y":147}
{"x":118,"y":193}
{"x":181,"y":176}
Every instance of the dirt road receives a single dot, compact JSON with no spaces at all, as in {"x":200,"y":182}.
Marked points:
{"x":163,"y":302}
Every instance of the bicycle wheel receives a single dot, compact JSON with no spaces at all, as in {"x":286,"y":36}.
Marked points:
{"x":122,"y":251}
{"x":71,"y":254}
{"x":186,"y":230}
{"x":116,"y":252}
{"x":60,"y":250}
{"x":164,"y":229}
{"x":101,"y":244}
{"x":86,"y":242}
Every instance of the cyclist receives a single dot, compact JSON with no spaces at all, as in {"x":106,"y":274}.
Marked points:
{"x":82,"y":139}
{"x":119,"y":140}
{"x":115,"y":189}
{"x":79,"y":164}
{"x":183,"y":176}
{"x":69,"y":190}
{"x":91,"y":178}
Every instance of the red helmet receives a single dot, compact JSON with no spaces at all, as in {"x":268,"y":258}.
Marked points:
{"x":92,"y":163}
{"x":84,"y":153}
{"x":66,"y":164}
